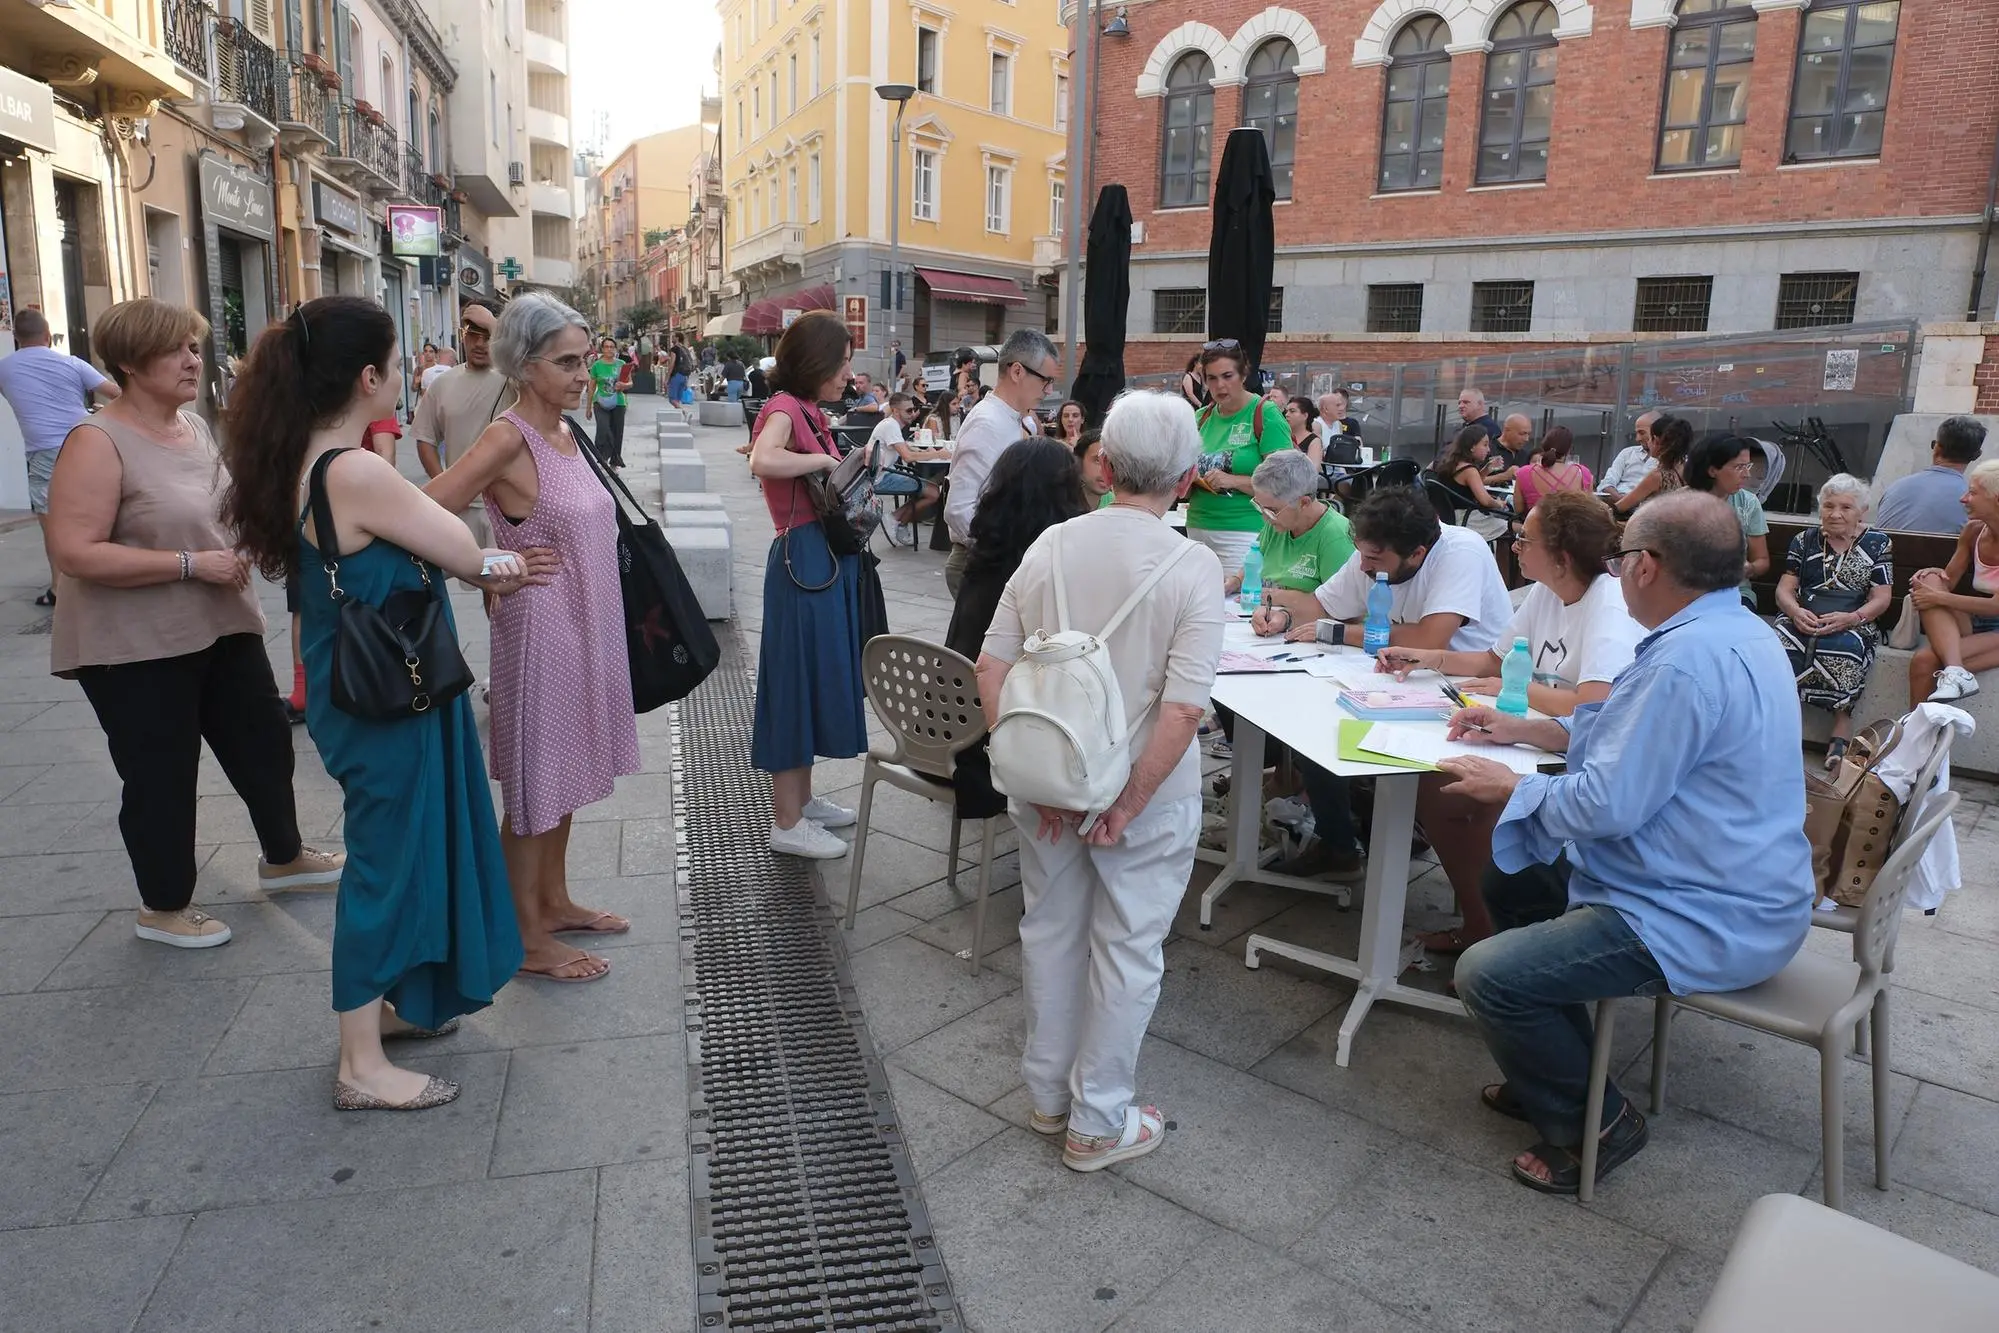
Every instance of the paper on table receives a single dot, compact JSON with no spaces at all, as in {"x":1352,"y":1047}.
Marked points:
{"x":1424,"y":743}
{"x":1354,"y":670}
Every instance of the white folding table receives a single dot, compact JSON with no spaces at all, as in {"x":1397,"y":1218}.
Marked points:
{"x":1301,"y":711}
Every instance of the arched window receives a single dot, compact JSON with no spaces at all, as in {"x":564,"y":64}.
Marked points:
{"x":1839,"y":101}
{"x":1519,"y":96}
{"x":436,"y":139}
{"x":1413,"y":111}
{"x":1270,"y":104}
{"x":1186,"y":120}
{"x":415,"y":123}
{"x":1707,"y":85}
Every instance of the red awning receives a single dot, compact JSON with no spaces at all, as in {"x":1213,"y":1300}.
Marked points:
{"x":948,"y":286}
{"x":766,"y":314}
{"x":761,"y":317}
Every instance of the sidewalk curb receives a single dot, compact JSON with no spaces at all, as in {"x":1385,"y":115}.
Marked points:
{"x":11,"y":522}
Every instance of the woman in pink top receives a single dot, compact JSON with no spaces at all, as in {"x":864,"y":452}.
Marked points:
{"x":561,"y":690}
{"x":1553,"y":471}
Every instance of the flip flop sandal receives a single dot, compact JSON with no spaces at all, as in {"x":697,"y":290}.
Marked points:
{"x":422,"y":1034}
{"x":1144,"y":1130}
{"x":1449,"y":943}
{"x":1565,"y":1169}
{"x":549,"y":974}
{"x":595,"y":926}
{"x":1498,"y":1097}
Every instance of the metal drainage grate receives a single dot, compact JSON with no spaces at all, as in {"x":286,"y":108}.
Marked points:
{"x":805,"y":1208}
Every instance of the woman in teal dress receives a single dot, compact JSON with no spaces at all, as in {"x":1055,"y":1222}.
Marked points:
{"x":424,"y":928}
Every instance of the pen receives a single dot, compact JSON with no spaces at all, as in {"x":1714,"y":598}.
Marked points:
{"x":1463,"y":702}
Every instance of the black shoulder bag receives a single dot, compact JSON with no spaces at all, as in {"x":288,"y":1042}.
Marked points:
{"x":392,"y":661}
{"x":667,"y":639}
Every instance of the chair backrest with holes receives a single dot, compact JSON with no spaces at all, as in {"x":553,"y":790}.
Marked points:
{"x":1881,"y":913}
{"x":928,"y":698}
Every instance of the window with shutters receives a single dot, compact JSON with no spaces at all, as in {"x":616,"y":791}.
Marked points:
{"x":1415,"y":106}
{"x":344,"y":37}
{"x":927,"y":43}
{"x":923,"y":185}
{"x":815,"y":64}
{"x":999,"y":199}
{"x":1058,"y":198}
{"x":1000,"y":102}
{"x":294,"y":29}
{"x":792,"y":86}
{"x":1707,"y":85}
{"x":812,"y":188}
{"x":791,"y":194}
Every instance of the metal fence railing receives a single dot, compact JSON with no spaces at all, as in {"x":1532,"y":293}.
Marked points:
{"x":1855,"y":378}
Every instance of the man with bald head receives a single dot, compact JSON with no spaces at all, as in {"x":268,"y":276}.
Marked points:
{"x":1510,"y":450}
{"x":1648,"y":866}
{"x":1633,"y":463}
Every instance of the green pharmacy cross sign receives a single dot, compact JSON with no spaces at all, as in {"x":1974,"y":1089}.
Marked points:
{"x":510,"y":268}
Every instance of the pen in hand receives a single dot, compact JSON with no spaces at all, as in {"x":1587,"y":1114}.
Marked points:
{"x":1462,"y":702}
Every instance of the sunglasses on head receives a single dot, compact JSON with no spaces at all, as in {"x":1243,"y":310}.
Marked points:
{"x":1222,"y":345}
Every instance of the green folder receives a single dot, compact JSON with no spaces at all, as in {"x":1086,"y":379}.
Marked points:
{"x":1353,"y":731}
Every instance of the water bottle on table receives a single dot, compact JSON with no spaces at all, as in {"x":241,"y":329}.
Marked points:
{"x":1252,"y":579}
{"x":1514,"y":674}
{"x":1380,"y":602}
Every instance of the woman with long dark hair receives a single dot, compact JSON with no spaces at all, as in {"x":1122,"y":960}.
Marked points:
{"x":1071,"y":420}
{"x":1462,"y":468}
{"x":423,"y":921}
{"x":809,"y":692}
{"x":1672,"y":438}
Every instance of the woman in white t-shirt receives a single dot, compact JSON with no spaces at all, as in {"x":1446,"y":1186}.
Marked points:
{"x":1580,"y":635}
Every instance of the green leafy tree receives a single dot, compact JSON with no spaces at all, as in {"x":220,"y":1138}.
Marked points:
{"x":645,"y":317}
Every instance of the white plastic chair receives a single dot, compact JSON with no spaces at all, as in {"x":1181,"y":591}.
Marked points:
{"x":928,"y":697}
{"x":1814,"y":1000}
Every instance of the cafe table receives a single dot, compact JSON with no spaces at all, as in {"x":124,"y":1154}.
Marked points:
{"x":1303,"y":712}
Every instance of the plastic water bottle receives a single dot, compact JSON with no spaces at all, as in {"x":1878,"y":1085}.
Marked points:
{"x":1252,"y":579}
{"x":1514,"y":673}
{"x":1380,"y":602}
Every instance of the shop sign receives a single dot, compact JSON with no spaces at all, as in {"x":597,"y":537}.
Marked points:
{"x":335,"y":209}
{"x":475,"y":270}
{"x":233,"y":197}
{"x":854,"y":311}
{"x":416,"y":231}
{"x":27,"y":111}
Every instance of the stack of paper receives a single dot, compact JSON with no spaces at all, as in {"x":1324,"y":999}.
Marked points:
{"x":1411,"y":743}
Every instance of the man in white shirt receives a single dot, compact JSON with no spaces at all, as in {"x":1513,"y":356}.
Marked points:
{"x":1633,"y":463}
{"x":446,"y":359}
{"x":50,"y":392}
{"x":1027,"y":366}
{"x":1446,"y":585}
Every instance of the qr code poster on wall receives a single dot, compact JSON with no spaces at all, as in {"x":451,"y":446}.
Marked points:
{"x":1842,"y":368}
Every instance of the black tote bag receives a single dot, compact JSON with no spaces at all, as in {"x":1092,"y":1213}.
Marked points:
{"x":671,"y":648}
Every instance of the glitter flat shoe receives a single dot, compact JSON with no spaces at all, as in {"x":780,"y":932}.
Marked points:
{"x":435,"y":1093}
{"x":422,"y":1034}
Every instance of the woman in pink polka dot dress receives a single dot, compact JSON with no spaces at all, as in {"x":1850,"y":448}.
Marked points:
{"x":561,"y":692}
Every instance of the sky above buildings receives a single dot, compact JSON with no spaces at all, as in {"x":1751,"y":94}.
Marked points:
{"x":629,"y":80}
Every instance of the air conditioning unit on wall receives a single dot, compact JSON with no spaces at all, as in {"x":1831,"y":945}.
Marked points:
{"x":517,"y":173}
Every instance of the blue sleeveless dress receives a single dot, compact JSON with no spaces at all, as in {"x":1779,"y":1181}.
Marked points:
{"x":424,"y":916}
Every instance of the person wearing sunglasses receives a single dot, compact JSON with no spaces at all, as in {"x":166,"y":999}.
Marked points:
{"x":1027,"y":367}
{"x":1642,"y":868}
{"x":1238,"y":431}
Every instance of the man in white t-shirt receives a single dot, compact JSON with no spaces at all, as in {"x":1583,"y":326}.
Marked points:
{"x":446,"y":359}
{"x":1446,"y":585}
{"x":1027,"y":366}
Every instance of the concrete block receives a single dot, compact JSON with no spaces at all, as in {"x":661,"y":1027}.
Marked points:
{"x":680,"y":520}
{"x":710,"y":566}
{"x":721,"y":414}
{"x":670,"y":416}
{"x":1907,"y":448}
{"x":692,"y":500}
{"x":1887,"y":696}
{"x":681,"y":470}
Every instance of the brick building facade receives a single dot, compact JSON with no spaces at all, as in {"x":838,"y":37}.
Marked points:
{"x":1553,"y":168}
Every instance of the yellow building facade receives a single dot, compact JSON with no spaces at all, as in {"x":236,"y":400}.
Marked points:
{"x":807,"y":156}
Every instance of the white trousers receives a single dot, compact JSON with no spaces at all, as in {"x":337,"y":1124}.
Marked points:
{"x":1092,"y":950}
{"x":1230,"y":546}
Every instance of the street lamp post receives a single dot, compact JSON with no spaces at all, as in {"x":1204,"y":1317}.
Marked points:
{"x":898,"y":93}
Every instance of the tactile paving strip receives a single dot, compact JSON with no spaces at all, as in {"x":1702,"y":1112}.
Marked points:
{"x":806,"y":1213}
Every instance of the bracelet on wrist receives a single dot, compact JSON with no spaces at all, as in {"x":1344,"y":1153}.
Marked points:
{"x":186,"y":565}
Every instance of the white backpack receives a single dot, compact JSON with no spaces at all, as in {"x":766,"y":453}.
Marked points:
{"x":1063,"y":736}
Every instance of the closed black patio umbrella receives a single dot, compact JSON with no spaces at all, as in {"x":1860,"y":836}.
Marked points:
{"x":1106,"y":298}
{"x":1242,"y":249}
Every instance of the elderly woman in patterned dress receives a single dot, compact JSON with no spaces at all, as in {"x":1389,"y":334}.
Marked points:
{"x":563,"y":727}
{"x":1835,"y":589}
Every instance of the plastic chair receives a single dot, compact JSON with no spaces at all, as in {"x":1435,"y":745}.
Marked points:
{"x":928,"y":697}
{"x":1814,"y":1001}
{"x":1390,"y":472}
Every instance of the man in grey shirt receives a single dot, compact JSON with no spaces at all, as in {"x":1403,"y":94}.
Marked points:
{"x":1027,"y":366}
{"x":1931,"y":500}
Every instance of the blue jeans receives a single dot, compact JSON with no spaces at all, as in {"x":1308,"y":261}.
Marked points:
{"x":735,"y":388}
{"x":1529,"y":986}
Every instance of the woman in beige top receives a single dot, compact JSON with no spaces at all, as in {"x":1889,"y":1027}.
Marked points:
{"x":1098,"y":904}
{"x":157,"y":621}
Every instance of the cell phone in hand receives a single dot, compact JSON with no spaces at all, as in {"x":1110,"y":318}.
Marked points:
{"x":506,"y":566}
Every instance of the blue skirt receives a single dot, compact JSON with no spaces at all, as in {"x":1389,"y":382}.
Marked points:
{"x":810,"y":698}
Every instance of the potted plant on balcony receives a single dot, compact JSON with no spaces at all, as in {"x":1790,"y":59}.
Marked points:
{"x":441,"y":181}
{"x":368,"y":113}
{"x":328,"y":76}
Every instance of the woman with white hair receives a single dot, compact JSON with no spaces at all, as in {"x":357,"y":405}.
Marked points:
{"x":1098,"y":904}
{"x":1836,"y":586}
{"x":561,"y":690}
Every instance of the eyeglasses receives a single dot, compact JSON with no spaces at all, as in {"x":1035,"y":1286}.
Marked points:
{"x":568,"y":365}
{"x":1027,"y":369}
{"x":1522,"y":539}
{"x":1614,"y":564}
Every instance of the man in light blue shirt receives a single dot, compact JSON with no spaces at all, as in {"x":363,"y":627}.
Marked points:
{"x":1672,"y":853}
{"x":50,"y":392}
{"x":1932,"y":500}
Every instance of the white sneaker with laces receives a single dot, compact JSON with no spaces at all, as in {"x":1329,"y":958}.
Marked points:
{"x":900,"y":533}
{"x":1954,"y":682}
{"x":828,"y":815}
{"x":807,"y":839}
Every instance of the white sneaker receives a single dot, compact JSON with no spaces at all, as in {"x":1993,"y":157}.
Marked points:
{"x":1954,"y":683}
{"x":828,"y":815}
{"x":806,"y":839}
{"x":900,"y":533}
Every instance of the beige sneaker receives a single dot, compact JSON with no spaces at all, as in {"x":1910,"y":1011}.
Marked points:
{"x":189,"y":928}
{"x":310,"y":866}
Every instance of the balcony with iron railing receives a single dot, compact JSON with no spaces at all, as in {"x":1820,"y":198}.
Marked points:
{"x":416,"y":181}
{"x":364,"y":152}
{"x":246,"y":72}
{"x":184,"y":35}
{"x":454,"y":221}
{"x":304,"y":105}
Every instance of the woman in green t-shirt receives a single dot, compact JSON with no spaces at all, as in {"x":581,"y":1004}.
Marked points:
{"x":1304,"y":541}
{"x":1238,"y":431}
{"x":607,"y":403}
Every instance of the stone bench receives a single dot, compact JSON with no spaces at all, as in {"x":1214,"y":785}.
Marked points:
{"x":670,"y":416}
{"x":681,"y":471}
{"x":1887,"y":696}
{"x":709,"y":564}
{"x":723,"y":413}
{"x":693,"y":500}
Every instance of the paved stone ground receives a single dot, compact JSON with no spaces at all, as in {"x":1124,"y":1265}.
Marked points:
{"x":169,"y":1159}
